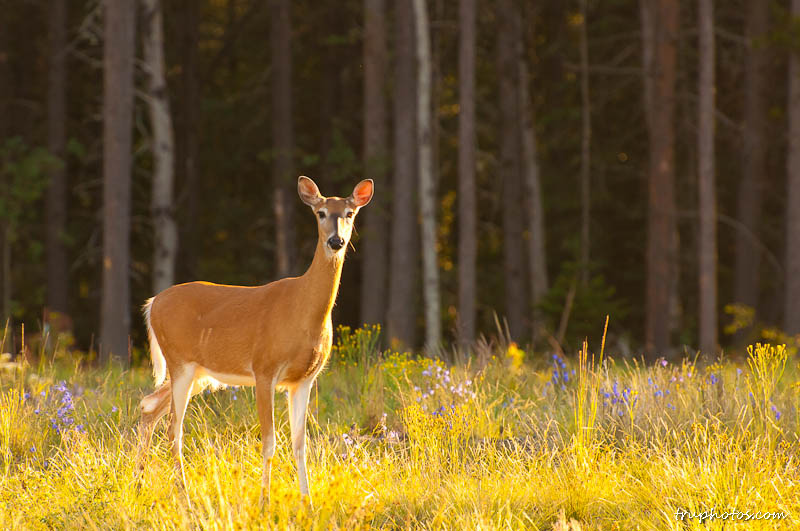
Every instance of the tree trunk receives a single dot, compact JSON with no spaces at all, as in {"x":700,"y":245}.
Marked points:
{"x":404,"y":246}
{"x":282,"y":137}
{"x":467,"y":206}
{"x":5,"y":78}
{"x":118,"y":55}
{"x":427,"y":188}
{"x":510,"y":165}
{"x":56,"y":199}
{"x":537,"y":259}
{"x":792,"y":310}
{"x":232,"y":60}
{"x":586,"y":148}
{"x":707,"y":241}
{"x":6,"y":233}
{"x":163,"y":146}
{"x":188,"y":127}
{"x":375,"y":233}
{"x":659,"y":33}
{"x":748,"y":256}
{"x":5,"y":132}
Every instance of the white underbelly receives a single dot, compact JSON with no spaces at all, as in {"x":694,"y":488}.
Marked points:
{"x":217,"y":379}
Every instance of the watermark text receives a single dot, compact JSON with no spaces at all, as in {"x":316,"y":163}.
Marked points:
{"x":732,"y":514}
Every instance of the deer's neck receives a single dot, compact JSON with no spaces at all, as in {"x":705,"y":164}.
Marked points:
{"x":321,"y":282}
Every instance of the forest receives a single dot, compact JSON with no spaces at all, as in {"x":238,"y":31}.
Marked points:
{"x":538,"y":165}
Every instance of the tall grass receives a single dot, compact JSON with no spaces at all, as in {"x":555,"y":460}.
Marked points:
{"x":524,"y":441}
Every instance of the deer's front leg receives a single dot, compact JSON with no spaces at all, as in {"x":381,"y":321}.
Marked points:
{"x":265,"y":392}
{"x":298,"y":397}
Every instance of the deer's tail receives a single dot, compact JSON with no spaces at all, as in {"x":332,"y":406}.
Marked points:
{"x":159,"y":363}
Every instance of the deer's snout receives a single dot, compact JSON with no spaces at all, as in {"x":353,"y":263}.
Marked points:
{"x":335,"y":242}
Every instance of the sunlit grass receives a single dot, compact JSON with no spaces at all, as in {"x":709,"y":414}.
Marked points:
{"x":522,"y":442}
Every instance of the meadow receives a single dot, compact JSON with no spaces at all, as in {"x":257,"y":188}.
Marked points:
{"x":500,"y":439}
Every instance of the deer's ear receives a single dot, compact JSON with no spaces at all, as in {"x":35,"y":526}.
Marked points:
{"x":308,"y":191}
{"x":362,"y":193}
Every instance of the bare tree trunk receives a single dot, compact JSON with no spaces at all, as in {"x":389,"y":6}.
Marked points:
{"x":189,"y":125}
{"x":375,"y":234}
{"x":118,"y":55}
{"x":748,"y":256}
{"x":707,"y":241}
{"x":163,"y":146}
{"x":537,"y":259}
{"x":792,"y":310}
{"x":586,"y":148}
{"x":282,"y":137}
{"x":5,"y":131}
{"x":5,"y":77}
{"x":427,"y":188}
{"x":659,"y":33}
{"x":56,"y":199}
{"x":404,"y":249}
{"x":7,"y":287}
{"x":467,"y":207}
{"x":510,"y":165}
{"x":230,"y":23}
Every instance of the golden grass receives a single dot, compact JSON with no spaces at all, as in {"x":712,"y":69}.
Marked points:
{"x":511,"y":449}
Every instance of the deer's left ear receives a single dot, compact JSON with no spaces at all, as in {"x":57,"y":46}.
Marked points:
{"x":362,"y":193}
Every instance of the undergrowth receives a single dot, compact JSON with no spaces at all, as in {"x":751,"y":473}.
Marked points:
{"x":519,"y":440}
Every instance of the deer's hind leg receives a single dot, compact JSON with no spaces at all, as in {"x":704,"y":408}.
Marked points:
{"x":153,"y":407}
{"x":182,"y":386}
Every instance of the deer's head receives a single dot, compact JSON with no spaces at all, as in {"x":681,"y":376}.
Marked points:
{"x":335,"y":215}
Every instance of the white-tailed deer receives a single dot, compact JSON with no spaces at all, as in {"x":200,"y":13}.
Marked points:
{"x":274,"y":336}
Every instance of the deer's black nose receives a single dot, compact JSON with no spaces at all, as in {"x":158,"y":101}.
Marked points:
{"x":335,"y":243}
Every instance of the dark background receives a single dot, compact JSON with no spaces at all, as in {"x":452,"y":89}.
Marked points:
{"x":219,"y":68}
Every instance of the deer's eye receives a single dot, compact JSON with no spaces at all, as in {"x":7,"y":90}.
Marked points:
{"x":321,"y":215}
{"x":350,"y":214}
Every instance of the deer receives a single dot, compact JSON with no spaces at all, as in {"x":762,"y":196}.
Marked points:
{"x":274,"y":337}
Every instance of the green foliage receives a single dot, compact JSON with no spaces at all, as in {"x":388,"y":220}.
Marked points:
{"x":341,"y":160}
{"x":742,"y":320}
{"x":590,"y":305}
{"x":360,"y":345}
{"x":23,"y":178}
{"x":742,"y":317}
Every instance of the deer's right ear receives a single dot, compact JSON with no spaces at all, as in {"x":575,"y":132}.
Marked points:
{"x":308,"y":191}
